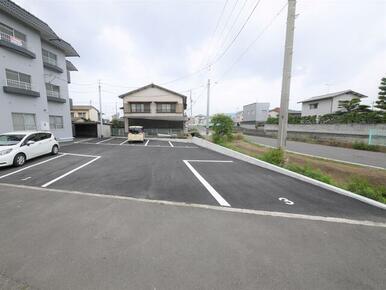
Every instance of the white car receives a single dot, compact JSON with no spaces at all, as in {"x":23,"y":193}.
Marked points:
{"x":18,"y":147}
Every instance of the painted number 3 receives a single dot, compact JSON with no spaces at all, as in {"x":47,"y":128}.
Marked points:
{"x":286,"y":201}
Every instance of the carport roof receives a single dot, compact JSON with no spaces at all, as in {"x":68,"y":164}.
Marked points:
{"x":154,"y":86}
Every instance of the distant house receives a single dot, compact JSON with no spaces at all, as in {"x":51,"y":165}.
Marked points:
{"x":157,"y":109}
{"x":254,"y":113}
{"x":274,"y":113}
{"x":81,"y":113}
{"x":328,"y":103}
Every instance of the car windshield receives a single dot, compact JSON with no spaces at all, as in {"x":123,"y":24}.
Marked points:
{"x":135,"y":130}
{"x":8,"y":140}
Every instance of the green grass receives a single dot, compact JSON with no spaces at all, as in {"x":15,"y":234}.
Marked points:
{"x":273,"y":156}
{"x":310,"y":172}
{"x":364,"y":146}
{"x":363,"y":187}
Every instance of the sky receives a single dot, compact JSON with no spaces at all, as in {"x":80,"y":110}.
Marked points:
{"x":126,"y":44}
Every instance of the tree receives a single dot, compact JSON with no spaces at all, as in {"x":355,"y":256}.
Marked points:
{"x":381,"y":102}
{"x":116,"y":123}
{"x":353,"y":105}
{"x":222,"y":126}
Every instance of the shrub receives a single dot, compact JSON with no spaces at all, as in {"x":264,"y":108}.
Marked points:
{"x":274,"y":156}
{"x":222,"y":128}
{"x":361,"y":186}
{"x":272,"y":120}
{"x":310,"y":172}
{"x":364,"y":146}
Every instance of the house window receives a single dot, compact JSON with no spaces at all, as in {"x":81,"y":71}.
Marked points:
{"x":82,"y":114}
{"x":52,"y":90}
{"x":166,"y":108}
{"x":49,"y":57}
{"x":72,"y":115}
{"x":313,"y":106}
{"x":140,"y":108}
{"x":56,"y":122}
{"x":11,"y":35}
{"x":22,"y":122}
{"x":18,"y":80}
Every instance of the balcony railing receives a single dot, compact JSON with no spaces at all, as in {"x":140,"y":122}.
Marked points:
{"x":19,"y":84}
{"x":50,"y":60}
{"x":53,"y":94}
{"x":12,"y":39}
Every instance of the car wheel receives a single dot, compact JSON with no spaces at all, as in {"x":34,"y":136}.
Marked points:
{"x":55,"y":150}
{"x":19,"y":160}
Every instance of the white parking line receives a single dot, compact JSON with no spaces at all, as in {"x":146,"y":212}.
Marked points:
{"x":140,"y":145}
{"x":80,"y":155}
{"x":24,"y":179}
{"x":206,"y":184}
{"x":170,"y":143}
{"x":71,"y":171}
{"x":85,"y":140}
{"x":33,"y":165}
{"x":127,"y":140}
{"x":105,"y":140}
{"x":147,"y":142}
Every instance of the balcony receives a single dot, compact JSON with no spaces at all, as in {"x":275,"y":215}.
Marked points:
{"x":51,"y":64}
{"x":12,"y":43}
{"x":20,"y":88}
{"x":53,"y":96}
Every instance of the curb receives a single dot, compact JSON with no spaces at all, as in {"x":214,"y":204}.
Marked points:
{"x":269,"y":166}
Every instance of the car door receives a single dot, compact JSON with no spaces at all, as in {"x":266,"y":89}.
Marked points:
{"x":31,"y":150}
{"x":45,"y":143}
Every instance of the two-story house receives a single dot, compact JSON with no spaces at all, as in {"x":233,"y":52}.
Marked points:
{"x":158,"y":110}
{"x":34,"y":74}
{"x":84,"y":112}
{"x":328,"y":103}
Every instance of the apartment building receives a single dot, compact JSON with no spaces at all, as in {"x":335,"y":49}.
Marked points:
{"x":157,"y":109}
{"x":34,"y":74}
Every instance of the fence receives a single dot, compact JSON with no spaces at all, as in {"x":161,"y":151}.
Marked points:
{"x":117,"y":132}
{"x":377,"y":137}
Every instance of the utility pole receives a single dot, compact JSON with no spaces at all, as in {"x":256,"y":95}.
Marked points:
{"x":207,"y":109}
{"x":191,"y":104}
{"x":286,"y":81}
{"x":100,"y":110}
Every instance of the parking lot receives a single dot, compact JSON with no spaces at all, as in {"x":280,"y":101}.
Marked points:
{"x":181,"y":172}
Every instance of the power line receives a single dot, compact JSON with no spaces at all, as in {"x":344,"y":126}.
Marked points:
{"x":238,"y":33}
{"x":254,"y":41}
{"x":234,"y":23}
{"x":215,"y":31}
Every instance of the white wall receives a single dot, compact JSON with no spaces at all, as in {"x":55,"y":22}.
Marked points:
{"x":11,"y":103}
{"x":324,"y":107}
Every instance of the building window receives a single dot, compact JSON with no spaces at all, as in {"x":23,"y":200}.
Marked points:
{"x":139,"y":108}
{"x":72,"y":115}
{"x":313,"y":106}
{"x":52,"y":90}
{"x":82,"y":114}
{"x":56,"y":122}
{"x":11,"y":35}
{"x":18,"y":80}
{"x":23,"y":122}
{"x":166,"y":108}
{"x":49,"y":57}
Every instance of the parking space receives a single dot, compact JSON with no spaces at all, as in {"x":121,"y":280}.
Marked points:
{"x":181,"y":172}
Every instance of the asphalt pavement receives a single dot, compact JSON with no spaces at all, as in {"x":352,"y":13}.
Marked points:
{"x":183,"y":173}
{"x":377,"y":159}
{"x":59,"y":240}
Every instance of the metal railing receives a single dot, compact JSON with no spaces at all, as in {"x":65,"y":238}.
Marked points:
{"x":53,"y":94}
{"x":12,"y":39}
{"x":49,"y":60}
{"x":19,"y":84}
